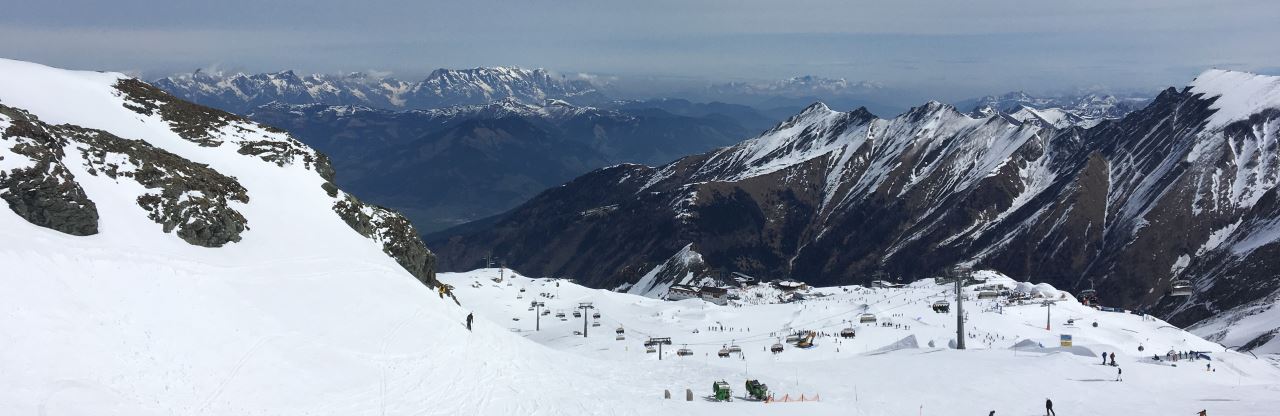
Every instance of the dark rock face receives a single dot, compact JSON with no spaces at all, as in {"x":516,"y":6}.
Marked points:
{"x":45,"y":194}
{"x":832,"y":198}
{"x":398,"y":237}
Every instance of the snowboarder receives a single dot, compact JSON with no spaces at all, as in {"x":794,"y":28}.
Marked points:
{"x":1119,"y":371}
{"x":1048,"y":408}
{"x":469,"y":318}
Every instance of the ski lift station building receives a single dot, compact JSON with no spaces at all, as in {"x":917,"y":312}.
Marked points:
{"x":716,"y":295}
{"x":790,"y":285}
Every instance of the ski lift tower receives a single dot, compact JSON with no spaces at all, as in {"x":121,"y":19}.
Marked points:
{"x":659,"y":342}
{"x":537,"y":314}
{"x":1048,"y":313}
{"x":584,"y":306}
{"x":960,"y":273}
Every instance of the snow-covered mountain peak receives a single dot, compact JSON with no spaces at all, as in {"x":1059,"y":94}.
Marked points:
{"x":1237,"y":95}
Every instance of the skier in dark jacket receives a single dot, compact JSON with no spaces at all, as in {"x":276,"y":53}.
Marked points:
{"x":1048,"y":408}
{"x":1119,"y":372}
{"x":1104,"y":358}
{"x":469,"y":318}
{"x":1113,"y":358}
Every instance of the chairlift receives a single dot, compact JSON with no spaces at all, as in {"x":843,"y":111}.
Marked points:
{"x":595,"y":323}
{"x":546,"y":312}
{"x":560,"y":315}
{"x":650,"y":349}
{"x":867,"y":318}
{"x":684,"y":352}
{"x":735,"y":349}
{"x":723,"y":353}
{"x":620,"y":331}
{"x":776,"y":348}
{"x":848,"y":333}
{"x":595,"y":315}
{"x":1182,"y":288}
{"x":1089,"y":297}
{"x":577,"y":314}
{"x":942,"y":306}
{"x":620,"y":337}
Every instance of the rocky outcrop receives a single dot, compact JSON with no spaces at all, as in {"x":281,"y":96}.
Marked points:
{"x":41,"y":189}
{"x":184,"y":197}
{"x":397,"y":236}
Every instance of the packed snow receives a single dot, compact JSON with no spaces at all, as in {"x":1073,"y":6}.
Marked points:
{"x":901,"y":364}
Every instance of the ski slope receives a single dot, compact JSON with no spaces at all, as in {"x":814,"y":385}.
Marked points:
{"x":878,"y":372}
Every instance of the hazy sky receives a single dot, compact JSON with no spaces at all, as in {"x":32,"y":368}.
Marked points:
{"x":947,"y":49}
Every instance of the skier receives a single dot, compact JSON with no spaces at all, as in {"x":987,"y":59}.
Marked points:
{"x":1203,"y":412}
{"x":1119,"y":371}
{"x":1048,"y":408}
{"x":1104,"y":358}
{"x":469,"y":318}
{"x":1113,"y":358}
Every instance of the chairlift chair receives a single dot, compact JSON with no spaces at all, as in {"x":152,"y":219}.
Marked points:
{"x":595,"y":323}
{"x":620,"y":337}
{"x":684,"y":352}
{"x":848,"y":333}
{"x":776,"y":348}
{"x":620,"y":331}
{"x":867,"y":318}
{"x":596,"y":315}
{"x":723,"y":353}
{"x":735,"y":349}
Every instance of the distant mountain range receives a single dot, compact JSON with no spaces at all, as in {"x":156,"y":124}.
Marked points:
{"x":446,"y":166}
{"x":1183,"y":188}
{"x":240,"y":93}
{"x":1087,"y":106}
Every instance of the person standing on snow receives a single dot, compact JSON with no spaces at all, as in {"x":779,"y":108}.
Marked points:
{"x":1048,"y":408}
{"x":1104,"y":358}
{"x":1113,"y":358}
{"x":1119,"y":371}
{"x":469,"y":318}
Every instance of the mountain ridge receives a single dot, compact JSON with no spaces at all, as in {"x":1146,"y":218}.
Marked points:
{"x":828,"y":197}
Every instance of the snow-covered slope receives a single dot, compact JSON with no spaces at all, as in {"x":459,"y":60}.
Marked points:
{"x":1011,"y":365}
{"x":165,"y":258}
